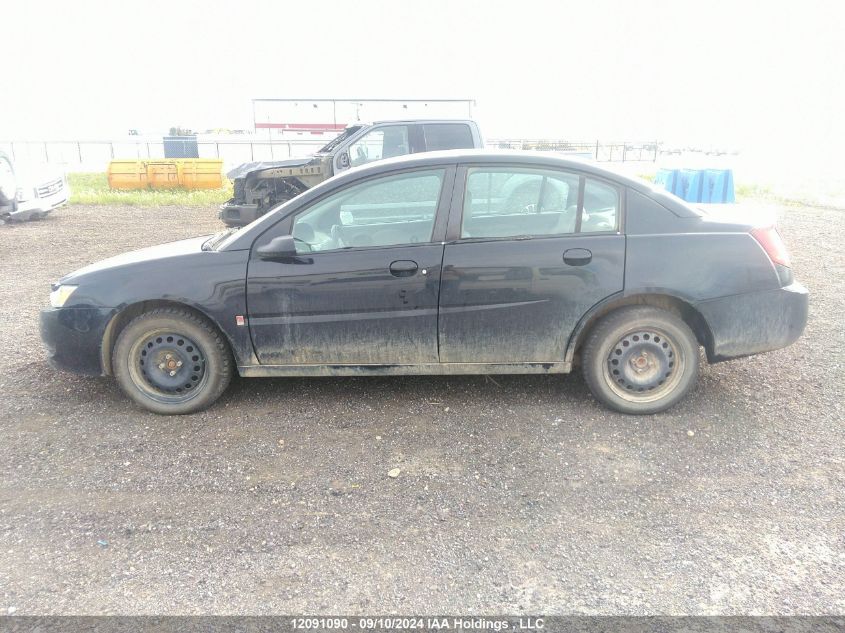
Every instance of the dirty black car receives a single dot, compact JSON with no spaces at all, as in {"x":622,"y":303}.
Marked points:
{"x":441,"y":263}
{"x":260,"y":186}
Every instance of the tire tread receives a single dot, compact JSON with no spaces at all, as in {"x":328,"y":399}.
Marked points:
{"x":224,"y":371}
{"x":592,"y":366}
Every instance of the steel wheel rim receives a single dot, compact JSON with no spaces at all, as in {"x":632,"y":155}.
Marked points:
{"x":167,"y":366}
{"x":644,"y":365}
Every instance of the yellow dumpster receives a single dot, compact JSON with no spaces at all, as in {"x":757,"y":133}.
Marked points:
{"x":162,"y":174}
{"x":127,"y":174}
{"x":200,"y":173}
{"x":189,"y":173}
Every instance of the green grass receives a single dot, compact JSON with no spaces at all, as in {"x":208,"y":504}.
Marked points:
{"x":93,"y":188}
{"x":752,"y":190}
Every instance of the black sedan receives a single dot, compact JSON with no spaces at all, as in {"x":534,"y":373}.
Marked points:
{"x":465,"y":262}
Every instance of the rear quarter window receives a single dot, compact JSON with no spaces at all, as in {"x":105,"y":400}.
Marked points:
{"x":447,"y":136}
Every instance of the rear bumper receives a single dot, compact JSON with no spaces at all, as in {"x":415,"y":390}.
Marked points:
{"x":73,"y":336}
{"x":238,"y":214}
{"x":756,"y":322}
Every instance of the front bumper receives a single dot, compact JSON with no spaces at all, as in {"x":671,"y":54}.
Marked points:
{"x":238,"y":214}
{"x":73,"y":337}
{"x":39,"y":206}
{"x":755,"y":322}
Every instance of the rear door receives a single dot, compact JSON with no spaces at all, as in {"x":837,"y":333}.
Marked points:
{"x":529,"y":251}
{"x":364,"y":285}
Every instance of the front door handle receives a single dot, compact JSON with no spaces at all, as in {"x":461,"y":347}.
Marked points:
{"x":403,"y":268}
{"x":577,"y":256}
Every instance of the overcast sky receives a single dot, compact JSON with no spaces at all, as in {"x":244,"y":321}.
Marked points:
{"x":739,"y":74}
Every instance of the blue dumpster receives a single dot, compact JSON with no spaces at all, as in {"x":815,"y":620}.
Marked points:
{"x":698,"y":185}
{"x":667,"y":178}
{"x":719,"y":186}
{"x":692,"y":182}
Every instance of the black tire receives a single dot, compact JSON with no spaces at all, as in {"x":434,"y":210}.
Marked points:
{"x":148,"y":350}
{"x":640,"y":360}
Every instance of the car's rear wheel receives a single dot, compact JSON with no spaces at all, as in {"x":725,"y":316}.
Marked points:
{"x":172,"y":361}
{"x":640,"y":360}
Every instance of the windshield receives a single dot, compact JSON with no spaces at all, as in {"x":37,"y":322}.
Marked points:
{"x":332,"y":145}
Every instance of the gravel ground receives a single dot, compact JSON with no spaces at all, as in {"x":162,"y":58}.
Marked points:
{"x":515,"y":495}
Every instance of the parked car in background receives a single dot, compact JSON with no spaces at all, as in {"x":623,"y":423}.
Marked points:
{"x":8,"y":186}
{"x":461,"y":262}
{"x":30,"y":192}
{"x":261,"y":186}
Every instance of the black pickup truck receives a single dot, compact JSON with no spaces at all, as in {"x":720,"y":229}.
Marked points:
{"x":260,"y":186}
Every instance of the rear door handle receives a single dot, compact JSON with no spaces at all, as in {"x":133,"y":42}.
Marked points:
{"x":403,"y":268}
{"x":577,"y":256}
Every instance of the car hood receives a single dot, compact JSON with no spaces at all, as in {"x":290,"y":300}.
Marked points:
{"x":33,"y":175}
{"x":133,"y":258}
{"x":247,"y":168}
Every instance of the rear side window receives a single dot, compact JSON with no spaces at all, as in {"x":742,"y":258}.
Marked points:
{"x":519,"y":202}
{"x":447,"y":136}
{"x":512,"y":202}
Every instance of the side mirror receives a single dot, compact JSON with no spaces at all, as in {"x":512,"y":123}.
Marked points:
{"x":278,"y":247}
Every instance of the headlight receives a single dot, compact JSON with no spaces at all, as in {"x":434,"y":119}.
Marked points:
{"x":60,"y":295}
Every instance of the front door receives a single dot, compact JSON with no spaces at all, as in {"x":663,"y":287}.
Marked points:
{"x":364,"y":286}
{"x":532,"y":251}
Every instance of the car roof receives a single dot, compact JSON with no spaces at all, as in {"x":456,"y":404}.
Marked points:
{"x":487,"y":157}
{"x":410,"y":121}
{"x":525,"y":158}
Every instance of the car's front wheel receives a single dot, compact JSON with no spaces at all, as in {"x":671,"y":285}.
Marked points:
{"x":640,"y":359}
{"x":172,"y":362}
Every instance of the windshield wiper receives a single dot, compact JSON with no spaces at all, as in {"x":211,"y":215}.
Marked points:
{"x":211,"y":243}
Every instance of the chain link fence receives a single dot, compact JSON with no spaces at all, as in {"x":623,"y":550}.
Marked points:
{"x":94,"y":155}
{"x":617,"y":151}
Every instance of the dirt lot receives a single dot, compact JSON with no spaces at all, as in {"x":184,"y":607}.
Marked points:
{"x":519,"y":495}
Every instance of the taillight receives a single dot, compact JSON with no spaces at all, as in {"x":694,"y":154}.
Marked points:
{"x":770,"y":240}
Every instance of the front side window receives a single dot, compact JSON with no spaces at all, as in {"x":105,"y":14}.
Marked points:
{"x":513,"y":202}
{"x":382,"y":212}
{"x":383,"y":142}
